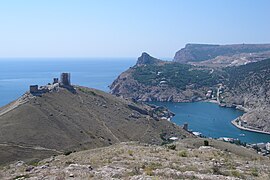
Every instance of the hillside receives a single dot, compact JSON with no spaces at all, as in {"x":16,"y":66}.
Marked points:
{"x":188,"y":159}
{"x":246,"y":86}
{"x":33,"y":127}
{"x":169,"y":81}
{"x":222,"y":55}
{"x":249,"y":86}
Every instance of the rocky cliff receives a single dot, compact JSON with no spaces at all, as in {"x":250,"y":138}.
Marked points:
{"x":55,"y":122}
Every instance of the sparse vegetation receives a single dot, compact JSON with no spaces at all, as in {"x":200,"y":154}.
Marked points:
{"x":116,"y":162}
{"x":237,"y":174}
{"x":254,"y":172}
{"x":130,"y":152}
{"x":148,"y":171}
{"x":84,"y":90}
{"x":171,"y":146}
{"x":183,"y":153}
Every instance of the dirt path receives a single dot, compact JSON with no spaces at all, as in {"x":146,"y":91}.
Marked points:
{"x":28,"y":147}
{"x":13,"y":105}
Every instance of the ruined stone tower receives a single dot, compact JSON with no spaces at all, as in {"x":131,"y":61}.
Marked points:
{"x":55,"y":80}
{"x":185,"y":127}
{"x":65,"y":79}
{"x":33,"y":89}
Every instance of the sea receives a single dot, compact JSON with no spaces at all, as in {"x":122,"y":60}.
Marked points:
{"x":16,"y":75}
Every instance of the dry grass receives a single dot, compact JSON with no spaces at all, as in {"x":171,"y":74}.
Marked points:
{"x":127,"y":160}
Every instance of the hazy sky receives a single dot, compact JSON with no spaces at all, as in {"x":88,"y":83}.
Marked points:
{"x":125,"y":28}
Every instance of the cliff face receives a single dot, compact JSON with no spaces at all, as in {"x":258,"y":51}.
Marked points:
{"x":62,"y":121}
{"x":222,"y":54}
{"x":246,"y":85}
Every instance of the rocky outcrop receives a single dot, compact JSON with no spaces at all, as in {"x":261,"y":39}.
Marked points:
{"x":147,"y":59}
{"x":215,"y":53}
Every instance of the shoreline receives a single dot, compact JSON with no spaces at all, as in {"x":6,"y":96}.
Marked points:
{"x":238,"y":107}
{"x":248,"y":129}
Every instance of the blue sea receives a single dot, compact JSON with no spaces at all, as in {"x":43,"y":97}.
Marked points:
{"x":17,"y":74}
{"x":212,"y":120}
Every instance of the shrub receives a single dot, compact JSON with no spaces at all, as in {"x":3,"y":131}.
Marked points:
{"x":216,"y":169}
{"x":130,"y":152}
{"x":236,"y":174}
{"x":148,"y":171}
{"x":183,"y":153}
{"x":254,"y":172}
{"x":171,"y":146}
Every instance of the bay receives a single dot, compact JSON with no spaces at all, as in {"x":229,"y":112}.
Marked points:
{"x":212,"y":120}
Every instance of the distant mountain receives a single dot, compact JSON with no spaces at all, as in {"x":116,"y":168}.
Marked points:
{"x":245,"y":86}
{"x":60,"y":121}
{"x":224,"y":55}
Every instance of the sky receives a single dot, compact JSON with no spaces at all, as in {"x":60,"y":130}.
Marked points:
{"x":126,"y":28}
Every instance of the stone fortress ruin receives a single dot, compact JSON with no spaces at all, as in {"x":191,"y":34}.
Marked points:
{"x":63,"y":83}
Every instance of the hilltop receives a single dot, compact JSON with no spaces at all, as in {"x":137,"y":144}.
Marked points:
{"x":222,"y":55}
{"x":245,"y":87}
{"x":62,"y":120}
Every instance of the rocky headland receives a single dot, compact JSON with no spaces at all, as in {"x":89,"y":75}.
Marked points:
{"x":55,"y":119}
{"x":242,"y":86}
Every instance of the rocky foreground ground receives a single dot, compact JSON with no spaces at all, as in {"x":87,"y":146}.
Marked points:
{"x":188,"y":159}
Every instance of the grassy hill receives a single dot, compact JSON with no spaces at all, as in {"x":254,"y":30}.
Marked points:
{"x":63,"y":121}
